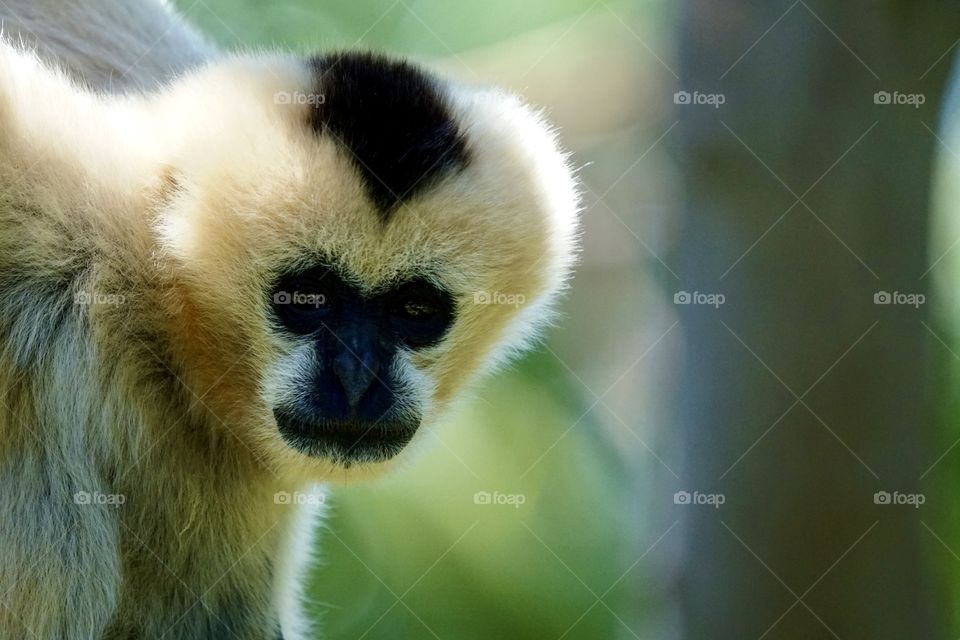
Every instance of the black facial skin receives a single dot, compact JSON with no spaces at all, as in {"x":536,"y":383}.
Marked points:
{"x":349,"y":412}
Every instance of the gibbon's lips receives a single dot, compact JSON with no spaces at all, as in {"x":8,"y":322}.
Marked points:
{"x":345,"y":442}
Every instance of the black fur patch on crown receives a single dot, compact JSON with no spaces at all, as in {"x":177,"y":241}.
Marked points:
{"x":392,"y":118}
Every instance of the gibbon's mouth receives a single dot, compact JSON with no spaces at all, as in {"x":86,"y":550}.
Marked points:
{"x":345,"y":442}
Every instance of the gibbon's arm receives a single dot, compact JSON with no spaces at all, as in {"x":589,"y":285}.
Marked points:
{"x":78,"y":181}
{"x":59,"y":560}
{"x":111,"y":45}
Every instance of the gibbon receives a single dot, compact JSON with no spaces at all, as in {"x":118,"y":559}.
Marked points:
{"x":226,"y":280}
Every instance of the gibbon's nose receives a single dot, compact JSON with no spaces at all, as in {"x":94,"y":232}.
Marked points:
{"x":356,"y":370}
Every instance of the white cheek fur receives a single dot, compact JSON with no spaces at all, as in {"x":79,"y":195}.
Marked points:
{"x":416,"y":388}
{"x":287,"y":378}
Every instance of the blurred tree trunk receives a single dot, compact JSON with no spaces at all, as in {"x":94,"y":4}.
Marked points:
{"x":799,"y":119}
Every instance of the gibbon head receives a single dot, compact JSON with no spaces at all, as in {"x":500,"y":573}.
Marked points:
{"x":350,"y":241}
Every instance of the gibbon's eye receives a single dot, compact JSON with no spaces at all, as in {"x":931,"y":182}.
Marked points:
{"x":417,"y":309}
{"x":421,"y":313}
{"x":415,"y":313}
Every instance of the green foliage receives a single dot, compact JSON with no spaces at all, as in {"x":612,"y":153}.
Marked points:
{"x":408,"y":26}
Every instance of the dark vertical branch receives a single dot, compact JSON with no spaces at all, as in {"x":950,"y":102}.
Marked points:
{"x":801,"y":397}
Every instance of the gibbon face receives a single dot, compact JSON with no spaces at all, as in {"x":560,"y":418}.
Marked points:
{"x":347,"y":242}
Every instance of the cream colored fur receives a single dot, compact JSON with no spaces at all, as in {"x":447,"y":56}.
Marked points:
{"x":139,"y":235}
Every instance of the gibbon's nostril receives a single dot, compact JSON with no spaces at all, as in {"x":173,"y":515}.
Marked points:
{"x":356,"y":372}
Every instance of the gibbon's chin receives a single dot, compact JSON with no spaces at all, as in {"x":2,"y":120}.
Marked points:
{"x":345,"y":442}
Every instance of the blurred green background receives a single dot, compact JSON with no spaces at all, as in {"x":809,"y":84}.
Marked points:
{"x":569,"y":428}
